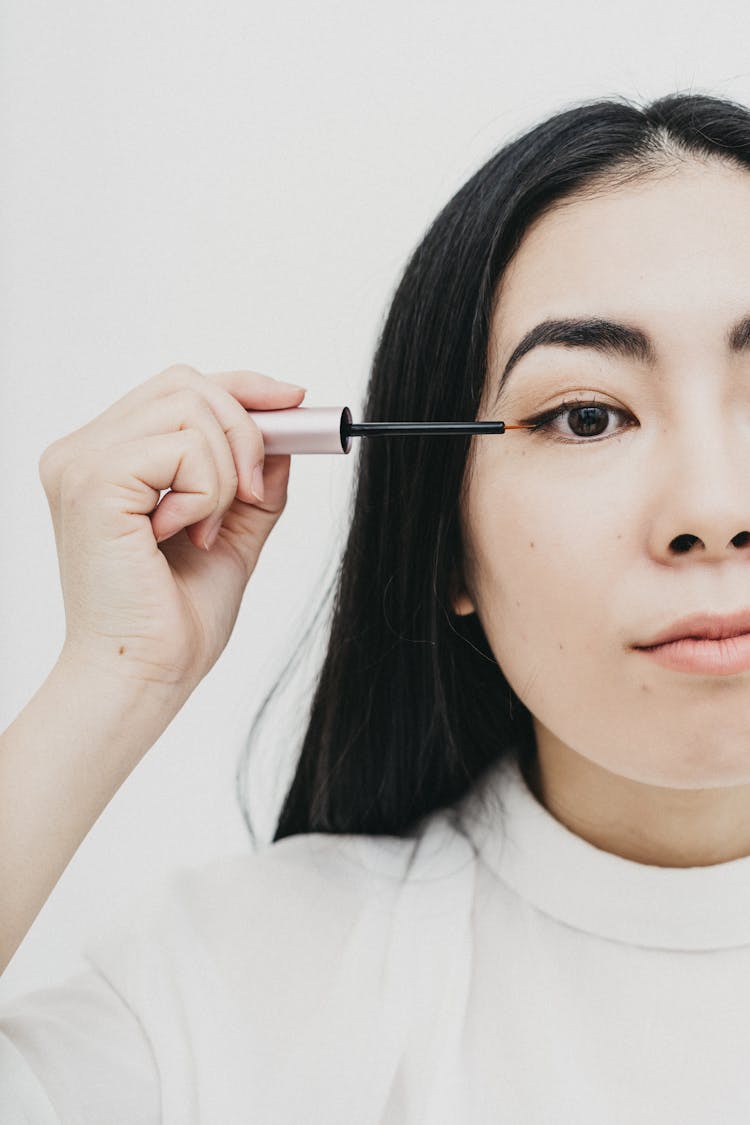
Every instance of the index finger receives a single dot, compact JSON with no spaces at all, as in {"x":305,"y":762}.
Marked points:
{"x":255,"y":391}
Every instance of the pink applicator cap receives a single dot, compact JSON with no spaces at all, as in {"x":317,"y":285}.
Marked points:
{"x":329,"y":429}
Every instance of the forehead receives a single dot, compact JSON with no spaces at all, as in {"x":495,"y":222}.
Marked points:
{"x":676,"y":242}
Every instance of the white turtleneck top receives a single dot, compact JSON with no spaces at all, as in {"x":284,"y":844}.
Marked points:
{"x":515,"y":974}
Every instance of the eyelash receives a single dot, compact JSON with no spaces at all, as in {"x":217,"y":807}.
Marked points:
{"x":543,"y":422}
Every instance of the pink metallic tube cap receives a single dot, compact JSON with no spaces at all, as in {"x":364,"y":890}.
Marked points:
{"x":305,"y":429}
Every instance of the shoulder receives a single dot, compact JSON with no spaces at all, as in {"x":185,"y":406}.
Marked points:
{"x":269,"y":953}
{"x":306,"y":890}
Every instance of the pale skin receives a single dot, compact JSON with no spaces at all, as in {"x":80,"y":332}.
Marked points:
{"x":568,"y":540}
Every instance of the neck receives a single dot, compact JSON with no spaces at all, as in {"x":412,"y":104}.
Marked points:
{"x":649,"y":824}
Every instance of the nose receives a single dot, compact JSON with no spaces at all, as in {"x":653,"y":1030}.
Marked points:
{"x":705,"y":504}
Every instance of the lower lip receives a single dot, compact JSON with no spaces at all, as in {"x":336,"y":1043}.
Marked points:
{"x":708,"y":658}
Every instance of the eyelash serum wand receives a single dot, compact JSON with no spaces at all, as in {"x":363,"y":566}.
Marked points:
{"x":329,"y":429}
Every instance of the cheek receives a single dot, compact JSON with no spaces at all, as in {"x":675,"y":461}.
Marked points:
{"x":545,"y":563}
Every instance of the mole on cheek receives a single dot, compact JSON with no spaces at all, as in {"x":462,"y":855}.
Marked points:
{"x":531,"y":544}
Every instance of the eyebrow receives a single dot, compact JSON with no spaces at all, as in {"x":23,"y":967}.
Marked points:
{"x":607,"y":337}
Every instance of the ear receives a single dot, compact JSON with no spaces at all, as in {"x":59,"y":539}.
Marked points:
{"x":461,"y":603}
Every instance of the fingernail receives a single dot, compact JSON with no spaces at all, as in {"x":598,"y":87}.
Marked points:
{"x":257,"y":482}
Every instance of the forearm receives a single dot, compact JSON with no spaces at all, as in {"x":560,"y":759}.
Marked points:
{"x":61,"y":761}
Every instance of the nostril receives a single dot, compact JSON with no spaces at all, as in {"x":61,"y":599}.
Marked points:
{"x":742,"y":539}
{"x":683,"y":543}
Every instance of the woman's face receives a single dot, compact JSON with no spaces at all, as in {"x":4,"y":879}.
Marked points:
{"x":569,"y":532}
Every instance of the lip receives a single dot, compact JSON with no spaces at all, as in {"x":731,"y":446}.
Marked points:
{"x":706,"y":644}
{"x":706,"y":626}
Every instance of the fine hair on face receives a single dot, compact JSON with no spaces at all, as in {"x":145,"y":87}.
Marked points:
{"x":409,"y":706}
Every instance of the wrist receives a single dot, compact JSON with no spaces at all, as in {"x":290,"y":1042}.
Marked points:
{"x":117,"y":707}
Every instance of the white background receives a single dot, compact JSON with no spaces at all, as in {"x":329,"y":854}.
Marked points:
{"x":238,"y":185}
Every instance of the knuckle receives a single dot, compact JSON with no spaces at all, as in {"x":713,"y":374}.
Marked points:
{"x":47,"y":462}
{"x":53,"y":463}
{"x":177,"y":375}
{"x":199,"y":447}
{"x":179,"y":369}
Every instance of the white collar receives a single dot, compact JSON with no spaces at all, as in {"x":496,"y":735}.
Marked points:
{"x":568,"y":878}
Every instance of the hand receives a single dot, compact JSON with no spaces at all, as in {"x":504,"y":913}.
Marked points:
{"x":164,"y":612}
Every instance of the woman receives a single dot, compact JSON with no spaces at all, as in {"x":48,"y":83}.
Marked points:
{"x":510,"y":881}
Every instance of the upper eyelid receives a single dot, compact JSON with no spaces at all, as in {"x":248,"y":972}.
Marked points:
{"x":570,"y":404}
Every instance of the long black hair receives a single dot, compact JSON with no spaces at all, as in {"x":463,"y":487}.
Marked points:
{"x":410,"y":705}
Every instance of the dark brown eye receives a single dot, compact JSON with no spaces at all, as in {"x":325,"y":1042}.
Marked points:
{"x":588,"y":421}
{"x":577,"y":420}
